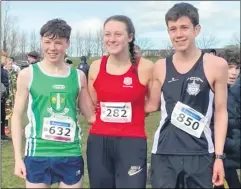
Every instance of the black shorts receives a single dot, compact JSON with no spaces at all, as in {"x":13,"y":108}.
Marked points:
{"x":116,"y":162}
{"x":176,"y":171}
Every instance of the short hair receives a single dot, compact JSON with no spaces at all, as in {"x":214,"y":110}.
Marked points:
{"x":180,"y":10}
{"x":232,"y":56}
{"x":213,"y":51}
{"x":56,"y":28}
{"x":13,"y":59}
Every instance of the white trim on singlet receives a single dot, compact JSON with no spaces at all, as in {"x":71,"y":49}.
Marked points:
{"x":30,"y":137}
{"x":52,"y":75}
{"x":78,"y":123}
{"x":207,"y":131}
{"x":31,"y":77}
{"x":162,"y":121}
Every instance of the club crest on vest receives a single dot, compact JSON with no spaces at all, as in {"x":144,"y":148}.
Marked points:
{"x":58,"y":101}
{"x":193,"y":88}
{"x":127,"y":81}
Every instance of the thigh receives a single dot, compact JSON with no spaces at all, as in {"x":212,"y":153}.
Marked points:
{"x":198,"y":171}
{"x":36,"y":185}
{"x":68,"y":170}
{"x":79,"y":184}
{"x":37,"y":170}
{"x":165,"y":170}
{"x":100,"y":168}
{"x":130,"y":162}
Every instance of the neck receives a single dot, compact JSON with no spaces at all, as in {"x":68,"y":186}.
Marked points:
{"x":53,"y":67}
{"x":120,"y":59}
{"x":188,"y":55}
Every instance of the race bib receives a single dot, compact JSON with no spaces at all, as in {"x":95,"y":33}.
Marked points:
{"x":59,"y":129}
{"x":116,"y":112}
{"x":188,"y":119}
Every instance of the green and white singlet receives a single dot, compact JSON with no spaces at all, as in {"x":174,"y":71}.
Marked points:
{"x":53,"y":129}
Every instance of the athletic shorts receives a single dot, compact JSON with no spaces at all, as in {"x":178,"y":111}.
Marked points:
{"x":50,"y":170}
{"x":116,"y":162}
{"x":176,"y":171}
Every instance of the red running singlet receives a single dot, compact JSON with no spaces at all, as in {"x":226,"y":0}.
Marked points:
{"x":121,"y":100}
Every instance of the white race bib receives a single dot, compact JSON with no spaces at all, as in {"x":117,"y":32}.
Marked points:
{"x":188,"y":119}
{"x":116,"y":112}
{"x":61,"y":128}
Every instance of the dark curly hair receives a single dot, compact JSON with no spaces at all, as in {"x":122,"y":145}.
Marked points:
{"x":232,"y":56}
{"x":56,"y":28}
{"x":130,"y":29}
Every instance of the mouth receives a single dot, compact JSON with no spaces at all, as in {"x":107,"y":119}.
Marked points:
{"x":52,"y":55}
{"x":113,"y":46}
{"x":181,"y":41}
{"x":232,"y":79}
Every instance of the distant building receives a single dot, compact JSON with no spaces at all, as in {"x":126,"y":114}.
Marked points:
{"x":168,"y":52}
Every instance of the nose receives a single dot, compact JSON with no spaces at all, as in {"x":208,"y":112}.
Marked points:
{"x":179,"y":33}
{"x":52,"y":46}
{"x":112,"y":38}
{"x":233,"y":71}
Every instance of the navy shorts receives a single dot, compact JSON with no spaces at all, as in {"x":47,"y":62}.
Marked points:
{"x":51,"y":170}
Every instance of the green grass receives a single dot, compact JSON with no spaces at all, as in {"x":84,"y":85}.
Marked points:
{"x":9,"y":180}
{"x":76,"y":60}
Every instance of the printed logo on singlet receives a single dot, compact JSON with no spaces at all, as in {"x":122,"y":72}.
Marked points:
{"x":172,"y":80}
{"x":127,"y":82}
{"x":58,"y":86}
{"x":193,"y":88}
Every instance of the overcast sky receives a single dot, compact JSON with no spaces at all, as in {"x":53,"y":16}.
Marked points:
{"x":219,"y":18}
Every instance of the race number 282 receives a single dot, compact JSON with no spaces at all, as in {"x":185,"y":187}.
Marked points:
{"x":188,"y":121}
{"x":116,"y":112}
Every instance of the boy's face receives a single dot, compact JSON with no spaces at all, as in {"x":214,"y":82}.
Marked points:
{"x":233,"y":73}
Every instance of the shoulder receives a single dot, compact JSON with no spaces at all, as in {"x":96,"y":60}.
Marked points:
{"x":80,"y":73}
{"x":25,"y":74}
{"x":145,"y":64}
{"x":160,"y":64}
{"x":95,"y":64}
{"x":4,"y":72}
{"x":215,"y":62}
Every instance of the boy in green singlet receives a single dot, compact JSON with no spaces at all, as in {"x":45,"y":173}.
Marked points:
{"x":54,"y":93}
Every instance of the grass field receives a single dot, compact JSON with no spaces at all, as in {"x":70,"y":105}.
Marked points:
{"x":9,"y":180}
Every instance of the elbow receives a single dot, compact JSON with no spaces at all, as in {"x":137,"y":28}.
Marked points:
{"x":151,"y":108}
{"x":91,"y":119}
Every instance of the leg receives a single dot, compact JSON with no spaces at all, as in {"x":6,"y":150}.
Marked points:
{"x":37,"y":172}
{"x":232,"y":178}
{"x":36,"y":185}
{"x":77,"y":185}
{"x":67,"y":171}
{"x":198,"y":171}
{"x":99,"y":162}
{"x":166,"y":171}
{"x":131,"y":162}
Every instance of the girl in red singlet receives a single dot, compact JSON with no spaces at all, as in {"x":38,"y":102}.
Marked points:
{"x":118,"y":85}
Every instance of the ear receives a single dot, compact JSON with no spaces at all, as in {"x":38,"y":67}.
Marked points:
{"x":197,"y":30}
{"x":67,"y":44}
{"x":130,"y":37}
